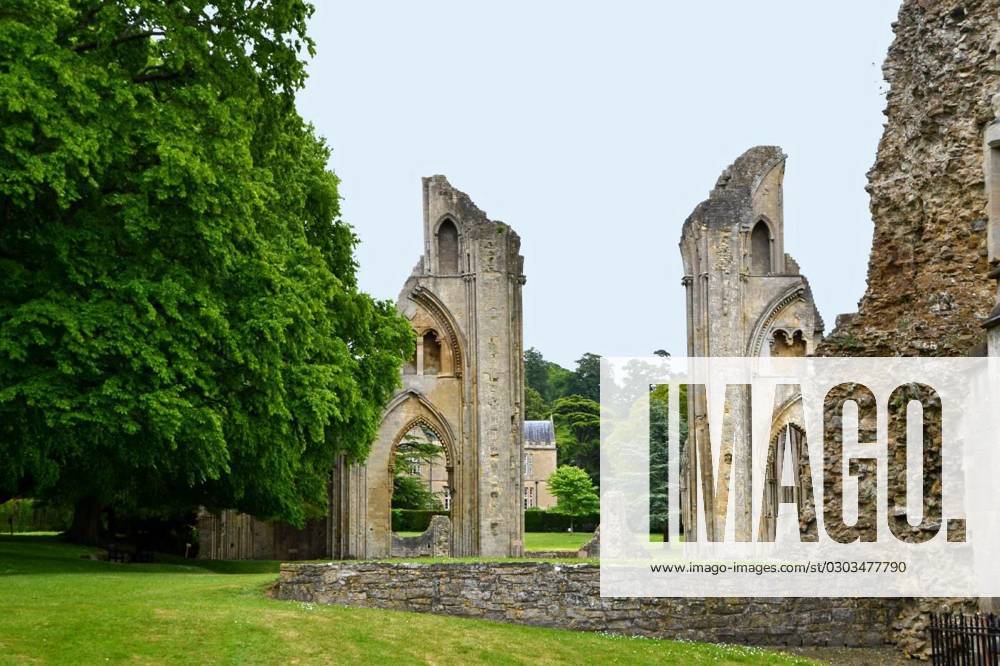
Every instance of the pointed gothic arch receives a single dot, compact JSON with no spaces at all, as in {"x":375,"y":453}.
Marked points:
{"x":427,"y":415}
{"x":448,"y":247}
{"x":446,"y":327}
{"x":762,"y":327}
{"x":761,"y":250}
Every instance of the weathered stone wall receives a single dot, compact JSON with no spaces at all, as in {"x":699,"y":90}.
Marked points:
{"x":927,"y":294}
{"x":435,"y":541}
{"x":568,"y":596}
{"x":926,"y":291}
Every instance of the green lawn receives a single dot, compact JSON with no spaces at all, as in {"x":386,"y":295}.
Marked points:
{"x":58,"y":607}
{"x":556,"y":540}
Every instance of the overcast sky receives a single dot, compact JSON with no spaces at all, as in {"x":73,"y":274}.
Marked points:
{"x":593,"y":129}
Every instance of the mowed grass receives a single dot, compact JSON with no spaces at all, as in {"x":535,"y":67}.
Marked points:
{"x":556,"y":540}
{"x":57,"y":607}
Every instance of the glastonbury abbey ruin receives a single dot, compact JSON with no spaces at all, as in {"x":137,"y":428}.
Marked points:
{"x":745,"y":297}
{"x":465,"y":385}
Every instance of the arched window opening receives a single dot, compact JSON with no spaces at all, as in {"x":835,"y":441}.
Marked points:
{"x":432,"y":353}
{"x":447,"y":238}
{"x":760,"y":249}
{"x":784,"y":346}
{"x":789,"y":441}
{"x":420,"y":473}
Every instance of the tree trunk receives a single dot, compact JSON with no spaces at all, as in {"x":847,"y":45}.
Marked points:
{"x":86,"y":521}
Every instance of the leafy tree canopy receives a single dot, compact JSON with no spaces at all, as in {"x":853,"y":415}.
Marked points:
{"x":586,"y":379}
{"x":180,"y":316}
{"x":535,"y":408}
{"x":578,"y":433}
{"x":570,"y":397}
{"x":551,"y":380}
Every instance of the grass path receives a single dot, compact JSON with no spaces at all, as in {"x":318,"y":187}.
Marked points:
{"x":60,"y":608}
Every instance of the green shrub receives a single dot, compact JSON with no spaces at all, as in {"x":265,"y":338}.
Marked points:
{"x":540,"y":520}
{"x":31,"y":516}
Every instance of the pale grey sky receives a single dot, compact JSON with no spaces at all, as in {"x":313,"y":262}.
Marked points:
{"x":593,"y":129}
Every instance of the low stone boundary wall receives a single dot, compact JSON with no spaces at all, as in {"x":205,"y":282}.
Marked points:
{"x":568,"y":596}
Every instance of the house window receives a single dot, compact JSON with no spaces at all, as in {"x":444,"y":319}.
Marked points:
{"x":446,"y":498}
{"x":529,"y":497}
{"x":413,"y":464}
{"x":527,"y":465}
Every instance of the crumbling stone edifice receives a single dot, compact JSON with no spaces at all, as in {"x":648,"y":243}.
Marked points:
{"x":745,"y":297}
{"x":465,"y":385}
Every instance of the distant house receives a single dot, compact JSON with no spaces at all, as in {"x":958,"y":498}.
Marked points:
{"x":539,"y":463}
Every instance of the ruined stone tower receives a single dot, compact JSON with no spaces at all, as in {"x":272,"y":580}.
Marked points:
{"x":745,"y":297}
{"x":465,"y":385}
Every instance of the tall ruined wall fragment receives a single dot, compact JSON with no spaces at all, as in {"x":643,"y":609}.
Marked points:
{"x":745,"y":297}
{"x":926,"y":291}
{"x":465,"y":384}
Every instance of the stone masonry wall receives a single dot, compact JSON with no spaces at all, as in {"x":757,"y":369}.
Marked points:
{"x":435,"y":541}
{"x":568,"y":596}
{"x":927,"y":293}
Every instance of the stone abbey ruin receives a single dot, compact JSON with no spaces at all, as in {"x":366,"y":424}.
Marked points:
{"x":465,"y":385}
{"x":745,"y":297}
{"x":935,"y":204}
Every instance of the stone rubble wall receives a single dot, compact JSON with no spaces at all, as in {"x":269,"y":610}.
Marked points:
{"x":927,"y":290}
{"x":568,"y":596}
{"x":435,"y":541}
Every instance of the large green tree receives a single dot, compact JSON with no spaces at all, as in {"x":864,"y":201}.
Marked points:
{"x":578,"y":433}
{"x":551,"y":380}
{"x":535,"y":408}
{"x":574,"y":492}
{"x":586,"y":379}
{"x":179,"y":318}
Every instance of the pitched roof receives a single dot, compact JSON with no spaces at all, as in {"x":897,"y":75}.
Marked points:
{"x":539,"y":432}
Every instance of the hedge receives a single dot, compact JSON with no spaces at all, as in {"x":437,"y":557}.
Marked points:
{"x":31,"y":516}
{"x":540,"y":520}
{"x":535,"y":520}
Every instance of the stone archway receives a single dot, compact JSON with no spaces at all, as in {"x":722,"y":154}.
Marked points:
{"x":421,"y":466}
{"x":409,"y":410}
